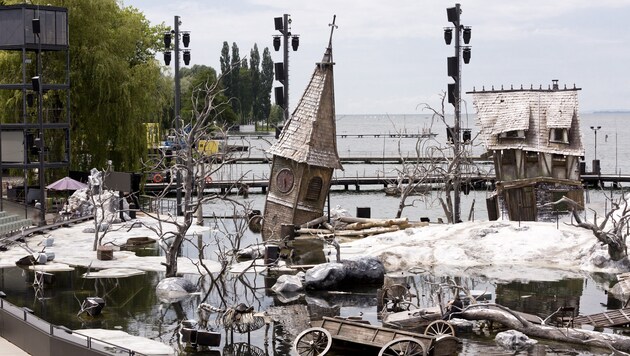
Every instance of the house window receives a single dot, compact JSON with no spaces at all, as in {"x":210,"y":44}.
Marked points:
{"x":559,"y":160}
{"x":518,"y":134}
{"x":531,"y":157}
{"x":508,"y":157}
{"x":314,"y":189}
{"x":559,"y":135}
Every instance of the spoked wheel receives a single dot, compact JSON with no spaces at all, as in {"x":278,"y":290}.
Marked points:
{"x":394,"y":298}
{"x":405,"y":346}
{"x":313,"y":342}
{"x":438,"y":328}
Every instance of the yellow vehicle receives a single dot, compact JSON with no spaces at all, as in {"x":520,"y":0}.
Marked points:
{"x":208,"y":147}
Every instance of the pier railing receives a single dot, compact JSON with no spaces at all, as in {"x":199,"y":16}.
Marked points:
{"x":40,"y":338}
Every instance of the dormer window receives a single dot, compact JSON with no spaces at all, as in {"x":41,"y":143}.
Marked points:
{"x":518,"y":134}
{"x":559,"y":135}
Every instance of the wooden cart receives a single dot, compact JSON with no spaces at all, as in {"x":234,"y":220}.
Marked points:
{"x":390,"y":342}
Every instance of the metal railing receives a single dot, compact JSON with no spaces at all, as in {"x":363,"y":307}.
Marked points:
{"x":40,"y":338}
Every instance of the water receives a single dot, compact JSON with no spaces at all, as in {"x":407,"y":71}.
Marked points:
{"x":132,"y":305}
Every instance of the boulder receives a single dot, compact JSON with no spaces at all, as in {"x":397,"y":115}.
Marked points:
{"x":514,"y":340}
{"x":174,"y":289}
{"x":287,"y":283}
{"x":366,"y":270}
{"x":324,"y":276}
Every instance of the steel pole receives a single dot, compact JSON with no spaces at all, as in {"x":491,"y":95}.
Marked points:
{"x":40,"y":120}
{"x":596,"y":143}
{"x":456,"y":139}
{"x":177,"y":118}
{"x":285,"y":37}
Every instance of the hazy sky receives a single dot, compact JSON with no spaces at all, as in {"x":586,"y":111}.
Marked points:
{"x":391,"y":57}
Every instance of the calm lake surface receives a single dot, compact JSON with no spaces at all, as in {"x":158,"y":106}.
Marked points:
{"x":133,"y":306}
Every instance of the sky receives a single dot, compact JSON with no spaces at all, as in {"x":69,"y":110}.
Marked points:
{"x":391,"y":56}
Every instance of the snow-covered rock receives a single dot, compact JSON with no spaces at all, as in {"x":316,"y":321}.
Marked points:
{"x":324,"y":276}
{"x":368,"y":270}
{"x":173,"y":289}
{"x":287,"y":283}
{"x":514,"y":340}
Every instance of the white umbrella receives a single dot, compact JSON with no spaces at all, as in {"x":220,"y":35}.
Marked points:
{"x":66,"y":183}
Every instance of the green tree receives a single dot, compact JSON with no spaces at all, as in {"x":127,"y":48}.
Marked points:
{"x":276,"y":114}
{"x":226,"y":75}
{"x":236,"y":80}
{"x":116,"y":83}
{"x":254,"y":71}
{"x":266,"y":82}
{"x":191,"y":80}
{"x":246,"y":96}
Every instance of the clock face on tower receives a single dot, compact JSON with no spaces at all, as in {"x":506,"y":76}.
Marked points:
{"x":284,"y":180}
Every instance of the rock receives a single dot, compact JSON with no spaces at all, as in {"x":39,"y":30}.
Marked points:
{"x":324,"y":276}
{"x":174,"y":289}
{"x":514,"y":340}
{"x":366,"y":270}
{"x":287,"y":283}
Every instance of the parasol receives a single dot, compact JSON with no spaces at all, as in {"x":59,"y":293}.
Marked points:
{"x":66,"y":183}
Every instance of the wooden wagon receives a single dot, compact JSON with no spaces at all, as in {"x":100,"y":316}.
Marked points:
{"x":319,"y":339}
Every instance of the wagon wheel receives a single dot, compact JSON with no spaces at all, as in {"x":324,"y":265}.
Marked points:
{"x":313,"y":342}
{"x":393,"y":298}
{"x":439,"y":328}
{"x":404,"y":346}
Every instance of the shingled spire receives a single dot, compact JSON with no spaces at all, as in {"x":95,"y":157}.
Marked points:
{"x":310,"y":134}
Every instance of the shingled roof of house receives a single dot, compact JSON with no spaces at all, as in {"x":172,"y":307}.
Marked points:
{"x":535,"y":112}
{"x":310,"y":135}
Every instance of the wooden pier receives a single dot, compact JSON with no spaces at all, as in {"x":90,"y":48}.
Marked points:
{"x":472,"y":181}
{"x":608,"y":318}
{"x":369,"y":159}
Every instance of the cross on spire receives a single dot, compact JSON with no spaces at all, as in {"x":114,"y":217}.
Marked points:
{"x":332,"y":28}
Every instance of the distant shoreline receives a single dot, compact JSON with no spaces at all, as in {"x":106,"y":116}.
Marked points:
{"x":339,"y":116}
{"x":611,"y":112}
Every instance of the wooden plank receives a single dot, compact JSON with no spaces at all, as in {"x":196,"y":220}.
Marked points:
{"x":623,"y":312}
{"x":609,"y":318}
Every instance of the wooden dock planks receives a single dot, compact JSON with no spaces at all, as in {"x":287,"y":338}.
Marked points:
{"x":608,"y":318}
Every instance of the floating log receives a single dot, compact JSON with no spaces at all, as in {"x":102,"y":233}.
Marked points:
{"x":512,"y":320}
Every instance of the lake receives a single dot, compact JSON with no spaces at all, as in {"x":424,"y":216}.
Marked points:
{"x":133,"y":306}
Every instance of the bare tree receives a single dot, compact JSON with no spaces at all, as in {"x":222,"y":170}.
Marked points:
{"x":434,"y":162}
{"x":104,"y":209}
{"x":195,"y":170}
{"x":612,"y":231}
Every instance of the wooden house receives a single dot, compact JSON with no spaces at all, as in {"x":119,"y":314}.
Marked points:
{"x":534,"y":137}
{"x":304,"y":157}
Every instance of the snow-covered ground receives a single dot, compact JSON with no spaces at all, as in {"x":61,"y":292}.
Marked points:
{"x":73,"y":246}
{"x":499,"y":250}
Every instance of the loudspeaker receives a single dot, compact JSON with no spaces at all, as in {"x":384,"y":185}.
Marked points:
{"x":36,"y":27}
{"x":452,"y":15}
{"x":279,"y":22}
{"x":279,"y":95}
{"x":279,"y":70}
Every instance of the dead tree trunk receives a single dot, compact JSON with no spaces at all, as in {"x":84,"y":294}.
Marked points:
{"x":612,"y":231}
{"x":511,"y":320}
